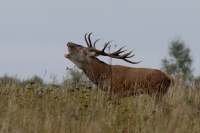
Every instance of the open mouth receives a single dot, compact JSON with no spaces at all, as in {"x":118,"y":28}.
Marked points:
{"x":67,"y":55}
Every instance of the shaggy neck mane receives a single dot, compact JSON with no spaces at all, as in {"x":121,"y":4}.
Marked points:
{"x":96,"y":69}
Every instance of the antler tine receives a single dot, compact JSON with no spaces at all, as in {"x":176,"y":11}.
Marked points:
{"x":90,"y":43}
{"x":96,"y":42}
{"x":86,"y":40}
{"x":120,"y":56}
{"x":131,"y":61}
{"x":130,"y":56}
{"x":110,"y":41}
{"x":125,"y":55}
{"x":121,"y":48}
{"x":106,"y":44}
{"x":119,"y":51}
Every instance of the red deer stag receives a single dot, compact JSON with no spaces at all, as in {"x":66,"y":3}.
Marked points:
{"x":122,"y":80}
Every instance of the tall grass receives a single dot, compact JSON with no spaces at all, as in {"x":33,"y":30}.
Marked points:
{"x":55,"y":109}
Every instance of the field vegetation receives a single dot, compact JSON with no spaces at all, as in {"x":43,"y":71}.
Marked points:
{"x":48,"y":108}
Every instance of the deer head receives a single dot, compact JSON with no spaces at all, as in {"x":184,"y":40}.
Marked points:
{"x":79,"y":54}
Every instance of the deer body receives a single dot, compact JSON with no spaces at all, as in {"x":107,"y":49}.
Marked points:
{"x":126,"y":79}
{"x":122,"y":80}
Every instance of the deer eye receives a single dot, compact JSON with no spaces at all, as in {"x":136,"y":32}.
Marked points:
{"x":81,"y":49}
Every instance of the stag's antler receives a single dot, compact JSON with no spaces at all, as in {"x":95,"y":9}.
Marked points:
{"x":113,"y":55}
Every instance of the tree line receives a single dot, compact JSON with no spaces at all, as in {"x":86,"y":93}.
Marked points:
{"x":10,"y":80}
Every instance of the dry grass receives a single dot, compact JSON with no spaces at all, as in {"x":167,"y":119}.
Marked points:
{"x":50,"y":109}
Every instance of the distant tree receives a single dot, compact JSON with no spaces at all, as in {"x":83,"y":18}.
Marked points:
{"x":34,"y":80}
{"x":75,"y":76}
{"x":180,"y":61}
{"x":9,"y":80}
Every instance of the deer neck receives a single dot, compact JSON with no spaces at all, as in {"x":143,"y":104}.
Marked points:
{"x":96,"y":70}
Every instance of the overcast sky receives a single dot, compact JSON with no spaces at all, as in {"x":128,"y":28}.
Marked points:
{"x":34,"y":34}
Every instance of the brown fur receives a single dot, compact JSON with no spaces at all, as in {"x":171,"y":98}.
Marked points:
{"x":122,"y":80}
{"x":127,"y":81}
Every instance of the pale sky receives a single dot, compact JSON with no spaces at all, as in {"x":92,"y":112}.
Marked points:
{"x":34,"y":34}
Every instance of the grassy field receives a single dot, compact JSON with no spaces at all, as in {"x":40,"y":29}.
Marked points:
{"x":36,"y":108}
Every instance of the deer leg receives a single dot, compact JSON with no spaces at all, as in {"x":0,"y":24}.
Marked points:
{"x":160,"y":99}
{"x":115,"y":98}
